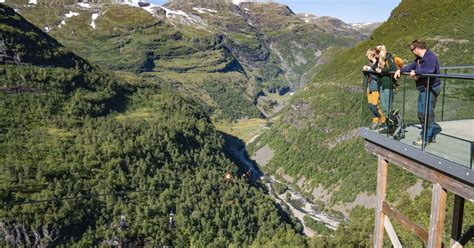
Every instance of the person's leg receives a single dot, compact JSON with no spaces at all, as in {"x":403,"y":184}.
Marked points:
{"x":373,"y":99}
{"x":431,"y":126}
{"x":380,"y":112}
{"x":385,"y":100}
{"x":421,"y":110}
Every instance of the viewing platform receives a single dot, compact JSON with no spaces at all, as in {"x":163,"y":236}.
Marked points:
{"x":446,"y":161}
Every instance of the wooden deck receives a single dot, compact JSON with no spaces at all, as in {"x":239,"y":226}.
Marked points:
{"x":453,"y":143}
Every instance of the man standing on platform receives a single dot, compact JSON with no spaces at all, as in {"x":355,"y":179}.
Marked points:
{"x":425,"y":62}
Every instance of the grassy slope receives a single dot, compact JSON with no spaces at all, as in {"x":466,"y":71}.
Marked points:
{"x":128,"y":38}
{"x":304,"y":144}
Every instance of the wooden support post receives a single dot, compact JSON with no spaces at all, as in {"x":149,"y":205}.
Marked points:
{"x":391,"y":233}
{"x":458,"y":213}
{"x":438,"y":212}
{"x":382,"y":169}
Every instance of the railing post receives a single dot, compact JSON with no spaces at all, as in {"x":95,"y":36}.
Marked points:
{"x":404,"y":98}
{"x":390,"y":105}
{"x":472,"y":153}
{"x":444,"y":93}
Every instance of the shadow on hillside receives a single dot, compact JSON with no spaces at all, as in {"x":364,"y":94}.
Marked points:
{"x":235,"y":150}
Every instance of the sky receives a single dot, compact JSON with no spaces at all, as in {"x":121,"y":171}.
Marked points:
{"x":350,"y":11}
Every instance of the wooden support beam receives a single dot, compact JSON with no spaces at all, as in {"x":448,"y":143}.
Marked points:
{"x":438,"y":212}
{"x":423,"y":171}
{"x":391,"y":233}
{"x":405,"y":222}
{"x":382,"y":170}
{"x":458,"y":213}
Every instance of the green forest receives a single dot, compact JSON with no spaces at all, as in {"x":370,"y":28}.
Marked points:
{"x":74,"y":161}
{"x":108,"y":136}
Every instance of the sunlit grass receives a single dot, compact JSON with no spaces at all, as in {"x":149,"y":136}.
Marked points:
{"x":143,"y":113}
{"x":243,"y":129}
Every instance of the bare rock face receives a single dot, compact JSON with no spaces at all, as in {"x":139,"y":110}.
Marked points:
{"x":21,"y":235}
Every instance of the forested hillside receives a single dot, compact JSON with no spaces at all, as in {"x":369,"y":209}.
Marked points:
{"x":315,"y":143}
{"x":89,"y":159}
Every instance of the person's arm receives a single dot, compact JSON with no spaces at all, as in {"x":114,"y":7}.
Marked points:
{"x":409,"y":67}
{"x":374,"y":65}
{"x":429,"y":66}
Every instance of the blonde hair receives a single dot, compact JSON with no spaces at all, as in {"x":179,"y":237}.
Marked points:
{"x":382,"y":54}
{"x":371,"y":53}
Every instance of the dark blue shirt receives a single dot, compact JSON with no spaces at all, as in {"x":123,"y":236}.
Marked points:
{"x":426,"y":65}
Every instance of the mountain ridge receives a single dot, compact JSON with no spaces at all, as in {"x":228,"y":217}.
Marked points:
{"x":208,"y":39}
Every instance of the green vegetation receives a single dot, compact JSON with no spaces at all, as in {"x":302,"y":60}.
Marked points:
{"x":317,"y":226}
{"x":232,"y":103}
{"x":90,"y":160}
{"x":21,"y":38}
{"x":279,"y":188}
{"x":242,"y":129}
{"x":171,"y":159}
{"x":80,"y":147}
{"x":316,"y":135}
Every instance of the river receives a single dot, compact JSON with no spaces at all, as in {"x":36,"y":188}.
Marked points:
{"x":307,"y":207}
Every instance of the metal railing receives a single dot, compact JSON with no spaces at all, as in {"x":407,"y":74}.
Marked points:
{"x":467,"y":98}
{"x":446,"y":69}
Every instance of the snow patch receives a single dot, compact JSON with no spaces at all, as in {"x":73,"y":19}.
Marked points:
{"x":360,"y":25}
{"x":85,"y":5}
{"x":47,"y":29}
{"x":68,"y":15}
{"x":71,"y":14}
{"x":204,"y":10}
{"x":237,"y":2}
{"x":94,"y":16}
{"x":169,"y":13}
{"x":33,"y":2}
